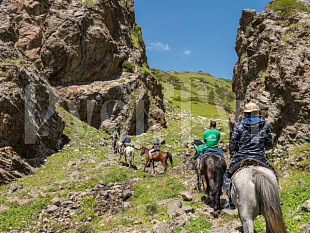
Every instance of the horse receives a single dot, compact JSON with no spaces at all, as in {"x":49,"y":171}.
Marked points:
{"x":158,"y":156}
{"x":213,"y":167}
{"x":128,"y":151}
{"x":254,"y":191}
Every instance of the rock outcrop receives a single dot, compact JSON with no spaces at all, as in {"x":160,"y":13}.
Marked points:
{"x":73,"y":45}
{"x":28,"y":120}
{"x":80,"y":47}
{"x":73,"y":41}
{"x":273,"y":70}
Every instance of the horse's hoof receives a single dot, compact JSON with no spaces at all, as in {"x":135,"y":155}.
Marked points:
{"x":215,"y":214}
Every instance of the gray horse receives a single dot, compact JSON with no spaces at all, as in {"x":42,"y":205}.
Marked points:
{"x":254,"y":191}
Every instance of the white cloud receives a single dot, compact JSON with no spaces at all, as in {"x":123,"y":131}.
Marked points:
{"x":187,"y":52}
{"x":158,"y":46}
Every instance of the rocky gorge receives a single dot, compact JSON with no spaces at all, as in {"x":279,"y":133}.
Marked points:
{"x":71,"y":53}
{"x":73,"y":70}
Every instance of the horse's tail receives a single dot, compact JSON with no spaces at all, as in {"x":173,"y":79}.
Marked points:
{"x":218,"y":176}
{"x":218,"y":180}
{"x":269,"y":200}
{"x":170,"y":158}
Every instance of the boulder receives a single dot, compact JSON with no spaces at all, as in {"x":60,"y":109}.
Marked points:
{"x":173,"y":207}
{"x":305,"y":207}
{"x":305,"y":227}
{"x":186,"y":195}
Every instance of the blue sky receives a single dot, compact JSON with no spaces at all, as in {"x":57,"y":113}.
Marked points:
{"x":192,"y":35}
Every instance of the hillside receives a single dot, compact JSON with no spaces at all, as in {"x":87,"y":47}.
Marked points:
{"x":83,"y":188}
{"x":198,"y":92}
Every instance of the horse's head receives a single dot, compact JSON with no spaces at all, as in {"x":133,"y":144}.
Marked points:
{"x":142,"y":151}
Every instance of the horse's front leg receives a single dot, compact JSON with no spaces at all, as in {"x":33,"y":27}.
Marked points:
{"x":165,"y":165}
{"x":153,"y":166}
{"x":146,"y":162}
{"x":133,"y":159}
{"x":198,"y":183}
{"x":126,"y":159}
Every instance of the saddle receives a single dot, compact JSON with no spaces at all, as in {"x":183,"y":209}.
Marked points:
{"x":129,"y":144}
{"x":155,"y":151}
{"x":204,"y":156}
{"x":242,"y":164}
{"x":245,"y":163}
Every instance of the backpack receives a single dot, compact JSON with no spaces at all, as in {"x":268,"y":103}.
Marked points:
{"x":115,"y":135}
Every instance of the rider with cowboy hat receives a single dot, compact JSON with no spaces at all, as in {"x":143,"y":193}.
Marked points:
{"x":249,"y":138}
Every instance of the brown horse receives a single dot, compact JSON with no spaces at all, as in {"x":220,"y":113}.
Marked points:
{"x":213,"y":167}
{"x":158,"y":156}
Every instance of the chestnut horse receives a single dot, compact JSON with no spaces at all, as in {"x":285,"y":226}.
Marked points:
{"x":158,"y":156}
{"x":213,"y":168}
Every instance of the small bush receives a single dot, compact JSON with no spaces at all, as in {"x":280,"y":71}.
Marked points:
{"x":85,"y":228}
{"x":128,"y":65}
{"x":211,"y":97}
{"x":151,"y":209}
{"x":136,"y":36}
{"x":180,"y":86}
{"x":288,"y":8}
{"x":227,"y":108}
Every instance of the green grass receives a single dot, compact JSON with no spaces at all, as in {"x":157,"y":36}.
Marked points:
{"x":151,"y":189}
{"x":128,"y":65}
{"x":293,"y":196}
{"x":197,"y":224}
{"x":288,"y":8}
{"x":13,"y":217}
{"x":136,"y":36}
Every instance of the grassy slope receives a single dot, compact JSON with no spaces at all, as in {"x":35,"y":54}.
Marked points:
{"x":85,"y":144}
{"x":194,"y":97}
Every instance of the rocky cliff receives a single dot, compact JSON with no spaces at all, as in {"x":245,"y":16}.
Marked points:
{"x":81,"y":45}
{"x":28,"y":120}
{"x":273,"y":69}
{"x":81,"y":49}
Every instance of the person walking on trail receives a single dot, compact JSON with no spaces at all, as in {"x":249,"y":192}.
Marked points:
{"x":114,"y":136}
{"x":156,"y":146}
{"x":249,"y":139}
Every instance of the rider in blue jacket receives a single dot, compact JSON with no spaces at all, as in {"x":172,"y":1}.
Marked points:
{"x":249,"y":138}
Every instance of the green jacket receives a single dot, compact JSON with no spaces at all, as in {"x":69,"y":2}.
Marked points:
{"x":211,"y":137}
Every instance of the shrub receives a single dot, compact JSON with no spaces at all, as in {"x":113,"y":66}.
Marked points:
{"x":287,"y":8}
{"x":85,"y":228}
{"x":145,"y":69}
{"x":227,"y":107}
{"x":136,"y":36}
{"x":211,"y":97}
{"x":151,"y":209}
{"x":128,"y":65}
{"x":180,"y":86}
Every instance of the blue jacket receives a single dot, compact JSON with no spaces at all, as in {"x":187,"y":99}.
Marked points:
{"x":126,"y":139}
{"x":250,"y":136}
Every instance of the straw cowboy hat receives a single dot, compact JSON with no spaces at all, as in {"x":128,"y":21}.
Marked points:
{"x":251,"y":107}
